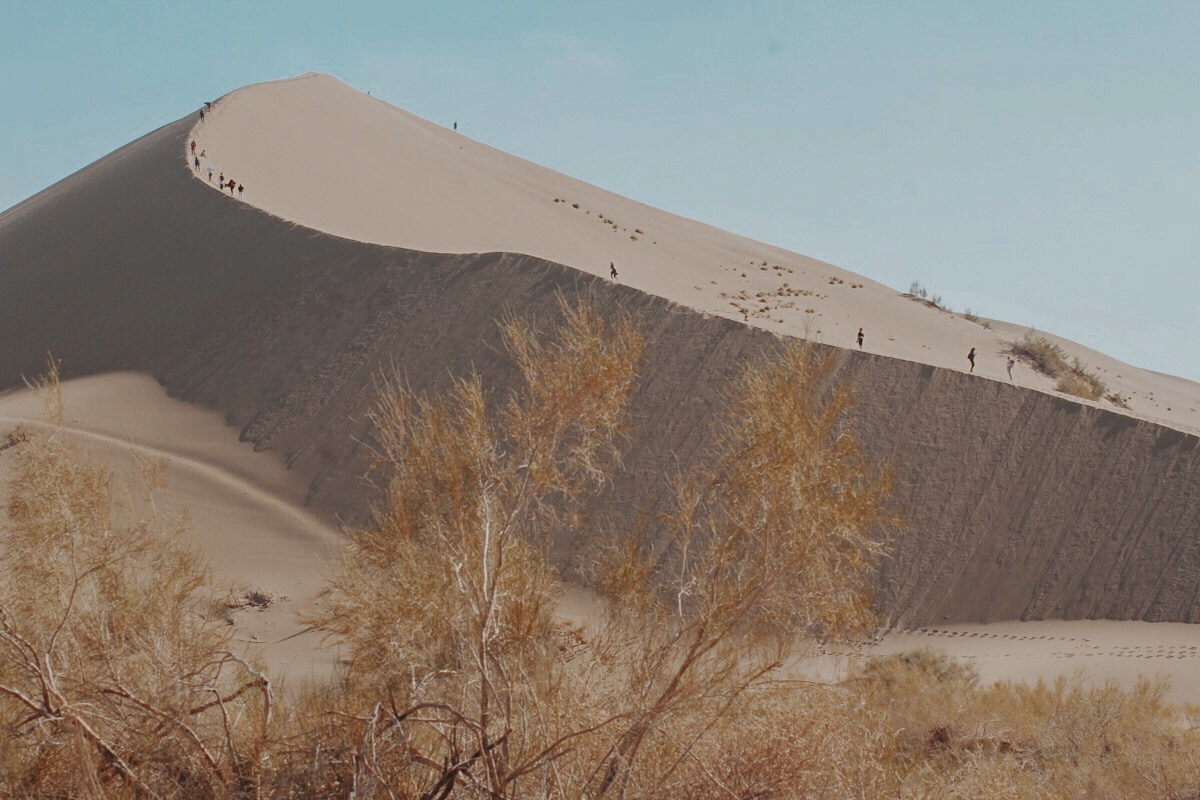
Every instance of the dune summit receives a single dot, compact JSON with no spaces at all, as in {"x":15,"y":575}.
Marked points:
{"x":367,"y":237}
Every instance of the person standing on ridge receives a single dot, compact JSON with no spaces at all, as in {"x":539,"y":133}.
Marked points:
{"x":1012,"y":362}
{"x":455,"y":124}
{"x":612,"y":271}
{"x":860,"y":338}
{"x":196,"y":163}
{"x":193,"y":147}
{"x":210,"y":173}
{"x":240,"y":190}
{"x":971,"y":358}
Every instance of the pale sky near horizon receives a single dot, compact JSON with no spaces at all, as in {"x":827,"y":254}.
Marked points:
{"x":1038,"y":162}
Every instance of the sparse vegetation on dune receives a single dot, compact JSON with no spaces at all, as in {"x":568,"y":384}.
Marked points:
{"x":919,"y":293}
{"x":1073,"y":376}
{"x":117,"y":676}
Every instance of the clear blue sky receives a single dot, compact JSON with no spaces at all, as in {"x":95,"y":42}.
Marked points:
{"x":1036,"y":161}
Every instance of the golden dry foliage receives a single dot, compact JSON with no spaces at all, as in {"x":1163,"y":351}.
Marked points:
{"x":776,"y":540}
{"x":947,"y":736}
{"x":919,"y":725}
{"x":114,"y":682}
{"x":113,"y":679}
{"x":446,"y":603}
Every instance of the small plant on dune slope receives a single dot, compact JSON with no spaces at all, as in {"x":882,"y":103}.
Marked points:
{"x":916,"y":291}
{"x":1046,"y":356}
{"x":116,"y":677}
{"x":971,"y":316}
{"x":1073,"y":377}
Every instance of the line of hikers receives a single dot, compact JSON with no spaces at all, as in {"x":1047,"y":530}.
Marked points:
{"x":231,"y":184}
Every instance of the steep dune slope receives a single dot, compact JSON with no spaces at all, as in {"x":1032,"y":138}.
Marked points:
{"x":318,"y":152}
{"x":1021,"y":504}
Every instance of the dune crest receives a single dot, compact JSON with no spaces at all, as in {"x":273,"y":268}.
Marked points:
{"x":314,"y":151}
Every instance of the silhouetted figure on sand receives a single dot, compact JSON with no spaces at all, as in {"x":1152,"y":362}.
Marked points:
{"x":455,"y":124}
{"x":612,"y":271}
{"x":971,"y":358}
{"x":193,"y":147}
{"x":240,"y":190}
{"x":1012,"y":362}
{"x":860,"y":338}
{"x":196,"y":162}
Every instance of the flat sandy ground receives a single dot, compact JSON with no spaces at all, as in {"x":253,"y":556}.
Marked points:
{"x":1102,"y":649}
{"x":243,"y":510}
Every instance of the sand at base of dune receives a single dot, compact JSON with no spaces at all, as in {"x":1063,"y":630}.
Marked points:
{"x":243,"y":509}
{"x":1026,"y":652}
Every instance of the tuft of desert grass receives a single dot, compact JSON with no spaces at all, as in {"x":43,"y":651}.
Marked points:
{"x":1073,"y":376}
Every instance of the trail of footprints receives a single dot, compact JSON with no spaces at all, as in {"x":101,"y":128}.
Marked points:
{"x":1083,"y":647}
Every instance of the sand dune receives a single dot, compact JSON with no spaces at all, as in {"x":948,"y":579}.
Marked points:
{"x":315,"y":151}
{"x":239,"y":504}
{"x":1022,"y":504}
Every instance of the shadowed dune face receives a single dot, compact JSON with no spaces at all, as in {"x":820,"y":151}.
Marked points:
{"x":1020,"y":504}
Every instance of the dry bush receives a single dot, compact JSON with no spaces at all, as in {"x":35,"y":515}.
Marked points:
{"x":113,"y":678}
{"x":1046,"y":356}
{"x":1081,"y":382}
{"x":946,"y":736}
{"x":1073,"y":376}
{"x":1117,"y":399}
{"x":916,"y":291}
{"x":447,"y":601}
{"x":776,"y":536}
{"x":114,"y":681}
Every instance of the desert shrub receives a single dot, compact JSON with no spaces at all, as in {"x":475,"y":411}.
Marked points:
{"x":1117,"y":399}
{"x":971,"y":316}
{"x":777,"y":534}
{"x":917,"y":291}
{"x":894,"y":672}
{"x":1093,"y":387}
{"x":1046,"y":356}
{"x":1073,"y":376}
{"x":116,"y":673}
{"x":939,"y":733}
{"x":1081,"y":384}
{"x":445,"y":603}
